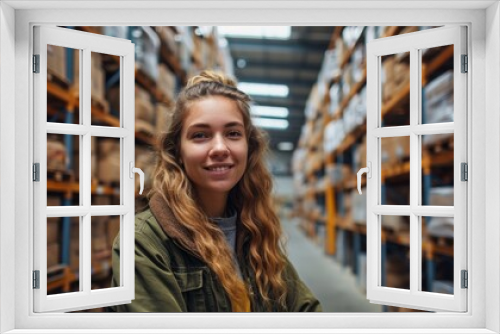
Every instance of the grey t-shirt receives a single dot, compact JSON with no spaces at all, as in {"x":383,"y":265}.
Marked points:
{"x":228,"y":227}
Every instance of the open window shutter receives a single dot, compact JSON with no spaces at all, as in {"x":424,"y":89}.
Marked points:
{"x":122,"y":131}
{"x":413,"y":48}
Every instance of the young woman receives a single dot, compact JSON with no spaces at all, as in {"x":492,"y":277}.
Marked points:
{"x":210,"y":239}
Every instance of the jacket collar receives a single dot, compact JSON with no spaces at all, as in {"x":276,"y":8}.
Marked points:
{"x":174,"y":229}
{"x":171,"y":225}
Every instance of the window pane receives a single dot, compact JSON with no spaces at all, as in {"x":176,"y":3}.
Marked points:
{"x":395,"y":252}
{"x":104,"y":229}
{"x":395,"y":89}
{"x":63,"y":254}
{"x":105,"y":170}
{"x":437,"y":76}
{"x":105,"y":89}
{"x":63,"y":169}
{"x":63,"y":84}
{"x":437,"y":254}
{"x":395,"y":168}
{"x":437,"y":170}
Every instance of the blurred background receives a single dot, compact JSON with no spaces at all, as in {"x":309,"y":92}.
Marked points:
{"x":308,"y":85}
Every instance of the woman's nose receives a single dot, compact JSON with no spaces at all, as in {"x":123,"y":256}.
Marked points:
{"x":219,"y":147}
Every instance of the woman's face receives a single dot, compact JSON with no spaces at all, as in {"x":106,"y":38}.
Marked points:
{"x":213,"y":147}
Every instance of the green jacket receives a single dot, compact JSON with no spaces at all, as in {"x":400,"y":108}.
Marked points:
{"x":170,"y":278}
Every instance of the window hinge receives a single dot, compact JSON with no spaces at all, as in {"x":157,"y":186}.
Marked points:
{"x":465,"y":171}
{"x":36,"y":279}
{"x":465,"y":279}
{"x":36,"y":172}
{"x":465,"y":64}
{"x":36,"y":63}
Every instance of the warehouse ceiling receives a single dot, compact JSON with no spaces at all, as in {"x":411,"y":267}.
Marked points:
{"x":294,"y":62}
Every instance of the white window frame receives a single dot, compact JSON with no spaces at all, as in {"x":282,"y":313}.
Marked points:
{"x":84,"y":43}
{"x":483,"y":20}
{"x":413,"y":43}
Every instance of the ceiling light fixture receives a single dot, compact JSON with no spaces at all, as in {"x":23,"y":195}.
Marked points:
{"x":285,"y":146}
{"x":263,"y":89}
{"x":274,"y":32}
{"x":267,"y":111}
{"x":241,"y":63}
{"x":270,"y":123}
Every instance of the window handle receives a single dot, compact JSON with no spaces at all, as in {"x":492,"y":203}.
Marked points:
{"x":138,"y":171}
{"x":368,"y":171}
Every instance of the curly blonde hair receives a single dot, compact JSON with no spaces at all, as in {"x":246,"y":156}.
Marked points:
{"x":251,"y":197}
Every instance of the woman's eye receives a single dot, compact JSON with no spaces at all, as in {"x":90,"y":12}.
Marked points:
{"x":234,"y":134}
{"x":198,"y":135}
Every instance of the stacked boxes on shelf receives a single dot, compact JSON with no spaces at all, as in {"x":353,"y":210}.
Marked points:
{"x":147,"y":48}
{"x":53,"y":235}
{"x":98,"y":80}
{"x":56,"y":62}
{"x":395,"y":75}
{"x":145,"y":113}
{"x":161,"y":53}
{"x":342,"y":92}
{"x":108,"y":160}
{"x":56,"y":154}
{"x":166,"y":81}
{"x":438,"y":103}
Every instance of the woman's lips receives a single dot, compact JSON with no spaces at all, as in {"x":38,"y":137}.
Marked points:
{"x":219,"y":170}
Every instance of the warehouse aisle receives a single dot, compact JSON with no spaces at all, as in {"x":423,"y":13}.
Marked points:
{"x":334,"y":286}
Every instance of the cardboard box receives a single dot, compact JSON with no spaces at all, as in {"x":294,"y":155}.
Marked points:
{"x":108,"y":160}
{"x":97,"y":77}
{"x":147,"y":47}
{"x":338,"y":173}
{"x":144,"y":109}
{"x":442,"y":196}
{"x":98,"y":81}
{"x":167,"y":38}
{"x":53,"y":254}
{"x":395,"y":75}
{"x":395,"y":149}
{"x":396,"y":223}
{"x":53,"y":230}
{"x":56,"y":155}
{"x":56,"y":61}
{"x":166,"y":81}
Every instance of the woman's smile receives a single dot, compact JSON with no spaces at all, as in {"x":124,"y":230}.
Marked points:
{"x":219,"y":170}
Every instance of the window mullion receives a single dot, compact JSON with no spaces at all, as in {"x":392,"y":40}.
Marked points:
{"x":415,"y":240}
{"x":86,"y":167}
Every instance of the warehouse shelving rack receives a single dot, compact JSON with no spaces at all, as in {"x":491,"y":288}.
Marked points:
{"x":339,"y":228}
{"x":65,"y":184}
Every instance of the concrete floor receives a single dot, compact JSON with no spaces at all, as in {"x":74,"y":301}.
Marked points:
{"x":333,"y":285}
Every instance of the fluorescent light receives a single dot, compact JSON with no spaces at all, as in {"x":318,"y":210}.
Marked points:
{"x":269,"y":111}
{"x":241,"y":63}
{"x":256,"y":32}
{"x":285,"y":146}
{"x":270,"y":123}
{"x":263,"y":89}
